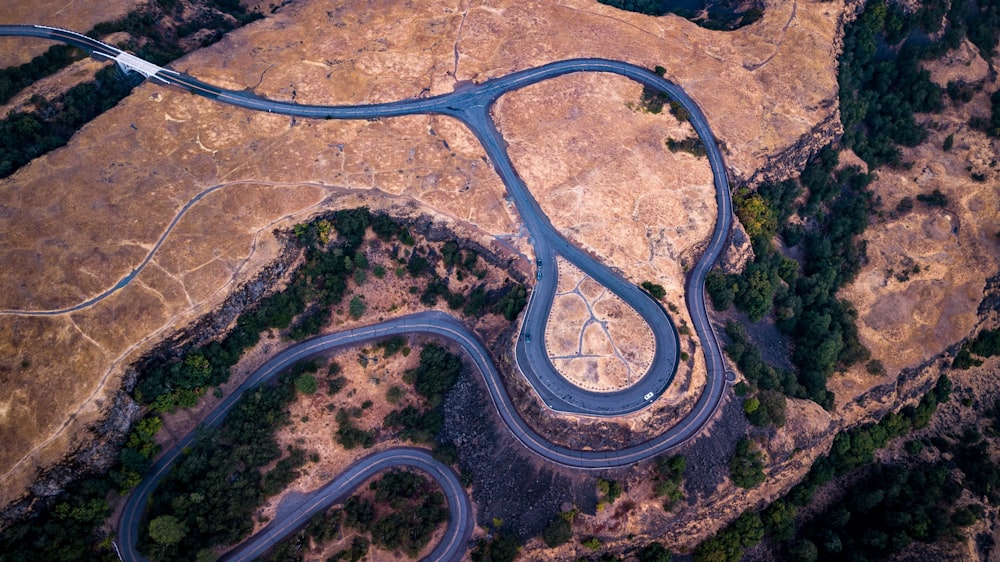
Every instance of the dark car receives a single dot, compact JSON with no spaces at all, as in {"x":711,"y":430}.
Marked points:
{"x":527,"y":338}
{"x":539,"y":275}
{"x":538,"y":262}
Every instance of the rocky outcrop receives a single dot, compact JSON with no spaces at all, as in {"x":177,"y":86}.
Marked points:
{"x":790,"y":161}
{"x":738,"y":252}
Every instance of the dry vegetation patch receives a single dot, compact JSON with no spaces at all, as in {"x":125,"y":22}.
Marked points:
{"x":78,"y":15}
{"x":593,"y":338}
{"x":80,"y":219}
{"x":927,"y":267}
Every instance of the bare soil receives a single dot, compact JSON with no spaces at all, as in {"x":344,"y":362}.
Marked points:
{"x":927,"y":269}
{"x":81,"y":218}
{"x":593,"y":338}
{"x":78,"y":15}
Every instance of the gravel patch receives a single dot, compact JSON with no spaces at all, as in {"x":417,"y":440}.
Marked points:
{"x":508,"y":482}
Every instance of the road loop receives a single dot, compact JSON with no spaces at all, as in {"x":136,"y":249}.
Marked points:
{"x":471,"y":105}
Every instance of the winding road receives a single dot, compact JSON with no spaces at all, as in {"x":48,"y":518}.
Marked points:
{"x":470,"y":104}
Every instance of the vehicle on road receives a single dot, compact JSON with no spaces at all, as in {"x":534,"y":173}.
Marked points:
{"x":538,"y":275}
{"x":648,"y":396}
{"x":527,"y":338}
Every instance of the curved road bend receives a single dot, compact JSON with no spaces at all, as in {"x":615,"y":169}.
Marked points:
{"x":471,"y":105}
{"x":429,"y":323}
{"x":452,"y":545}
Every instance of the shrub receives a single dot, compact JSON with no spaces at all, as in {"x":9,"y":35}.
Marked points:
{"x":306,"y":383}
{"x":357,"y":307}
{"x":558,"y":532}
{"x":746,"y":467}
{"x":657,"y":291}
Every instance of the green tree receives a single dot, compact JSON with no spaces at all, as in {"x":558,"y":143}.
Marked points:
{"x":756,"y":216}
{"x":721,"y":289}
{"x":746,"y":467}
{"x":654,"y":552}
{"x":357,"y":307}
{"x":306,"y":383}
{"x":657,"y":291}
{"x":558,"y":532}
{"x":167,"y":530}
{"x":949,"y":142}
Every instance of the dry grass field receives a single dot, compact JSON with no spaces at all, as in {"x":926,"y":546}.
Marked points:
{"x":75,"y":222}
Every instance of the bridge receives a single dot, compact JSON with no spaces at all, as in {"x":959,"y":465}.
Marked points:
{"x":127,"y":62}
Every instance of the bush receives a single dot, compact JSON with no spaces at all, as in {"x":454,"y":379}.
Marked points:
{"x":654,"y":552}
{"x":746,"y":467}
{"x":668,"y":479}
{"x":721,"y":289}
{"x":503,"y":548}
{"x":593,"y":543}
{"x":657,"y":291}
{"x":558,"y":532}
{"x":691,"y":145}
{"x":949,"y":142}
{"x":306,"y":383}
{"x":934,"y":199}
{"x":357,"y":307}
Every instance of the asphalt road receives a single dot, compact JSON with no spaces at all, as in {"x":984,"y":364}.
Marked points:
{"x":471,"y":105}
{"x":460,"y":522}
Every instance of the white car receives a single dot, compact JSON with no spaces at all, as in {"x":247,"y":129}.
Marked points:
{"x":648,"y":396}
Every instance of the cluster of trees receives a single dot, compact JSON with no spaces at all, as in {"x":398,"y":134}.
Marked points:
{"x":764,"y":402}
{"x":891,"y":507}
{"x":68,"y":532}
{"x":406,"y":510}
{"x":692,"y":145}
{"x":137,"y":455}
{"x":13,"y":79}
{"x":350,"y":436}
{"x":333,"y":260}
{"x":319,"y":283}
{"x":986,"y":344}
{"x":746,"y":466}
{"x":508,"y":300}
{"x":236,"y":451}
{"x":668,"y":480}
{"x":653,"y":101}
{"x":882,"y":82}
{"x":214,"y":489}
{"x":851,"y":450}
{"x":157,"y":28}
{"x":432,"y":379}
{"x":804,"y":300}
{"x":27,"y":135}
